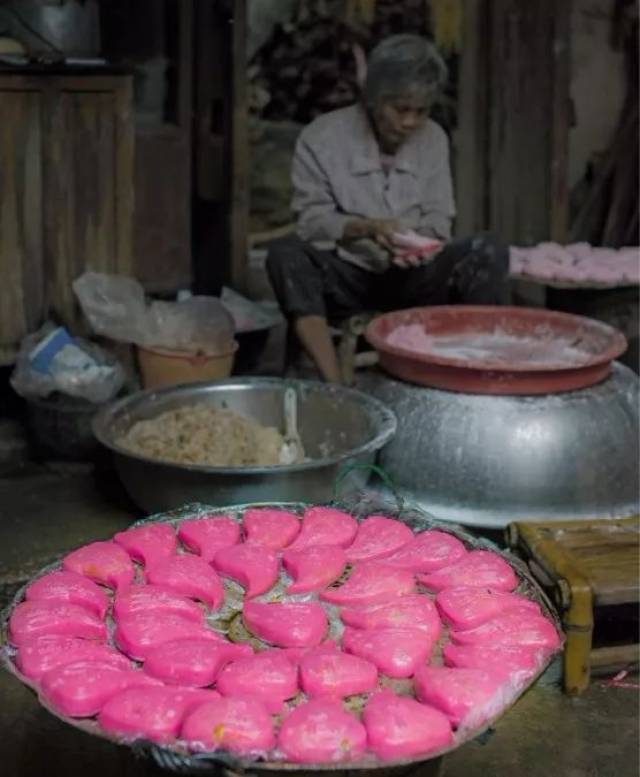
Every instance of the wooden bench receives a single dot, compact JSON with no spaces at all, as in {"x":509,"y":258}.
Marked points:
{"x":585,"y":565}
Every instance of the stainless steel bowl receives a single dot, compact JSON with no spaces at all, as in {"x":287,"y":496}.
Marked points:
{"x":339,"y":428}
{"x":486,"y":460}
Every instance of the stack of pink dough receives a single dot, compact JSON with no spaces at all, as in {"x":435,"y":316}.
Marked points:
{"x":126,"y":632}
{"x":577,"y":263}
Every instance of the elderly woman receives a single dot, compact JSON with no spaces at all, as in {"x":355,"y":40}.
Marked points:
{"x":362,"y":177}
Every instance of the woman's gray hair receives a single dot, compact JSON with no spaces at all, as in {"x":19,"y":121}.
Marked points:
{"x":400,"y":65}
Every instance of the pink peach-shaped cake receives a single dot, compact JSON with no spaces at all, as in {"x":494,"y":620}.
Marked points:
{"x":378,"y":537}
{"x":268,"y":677}
{"x":154,"y":713}
{"x":138,"y":599}
{"x":240,"y":726}
{"x":325,"y":526}
{"x":479,"y":568}
{"x":465,"y":607}
{"x":192,"y":662}
{"x":286,"y":624}
{"x":413,"y":611}
{"x":206,"y":536}
{"x":39,"y":655}
{"x":511,"y":629}
{"x":461,"y":694}
{"x":137,"y":634}
{"x":69,"y":588}
{"x":190,"y":576}
{"x":321,"y":731}
{"x":274,"y":529}
{"x":336,"y":674}
{"x":401,"y":727}
{"x":253,"y":566}
{"x":81,"y":689}
{"x":516,"y":663}
{"x":313,"y":568}
{"x":371,"y":583}
{"x":149,"y":545}
{"x":427,"y":552}
{"x":38,"y":619}
{"x":104,"y":562}
{"x":396,"y":652}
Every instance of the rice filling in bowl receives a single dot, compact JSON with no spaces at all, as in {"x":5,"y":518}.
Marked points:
{"x":207,"y":436}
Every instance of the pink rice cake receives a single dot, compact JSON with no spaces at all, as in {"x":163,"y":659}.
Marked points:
{"x":39,"y":655}
{"x":511,"y":629}
{"x":480,"y":568}
{"x":149,"y":545}
{"x":81,"y":689}
{"x":105,"y":562}
{"x":240,"y":726}
{"x":401,"y":727}
{"x":468,"y":697}
{"x":371,"y":583}
{"x":336,"y":674}
{"x":396,"y":652}
{"x":466,"y":607}
{"x":286,"y":624}
{"x":190,"y":576}
{"x":206,"y":536}
{"x":268,"y":677}
{"x":515,"y":663}
{"x":137,"y":634}
{"x":154,"y":713}
{"x":254,"y":567}
{"x":325,"y":526}
{"x":155,"y":598}
{"x":413,"y":611}
{"x":313,"y":568}
{"x":427,"y":552}
{"x":321,"y":731}
{"x":295,"y":655}
{"x":192,"y":662}
{"x":274,"y":529}
{"x":378,"y":537}
{"x":69,"y":588}
{"x":38,"y":619}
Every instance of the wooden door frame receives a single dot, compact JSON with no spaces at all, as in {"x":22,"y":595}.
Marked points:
{"x":479,"y":96}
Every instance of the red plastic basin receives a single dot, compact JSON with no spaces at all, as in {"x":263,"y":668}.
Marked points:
{"x":496,"y":350}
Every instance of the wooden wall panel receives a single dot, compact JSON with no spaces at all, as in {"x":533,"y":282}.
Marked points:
{"x":90,"y":178}
{"x":66,"y":193}
{"x":21,"y":217}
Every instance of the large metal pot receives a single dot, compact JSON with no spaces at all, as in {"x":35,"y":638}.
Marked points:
{"x":339,"y":428}
{"x":486,"y":460}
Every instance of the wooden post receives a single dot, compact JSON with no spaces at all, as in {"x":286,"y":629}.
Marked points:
{"x":239,"y":213}
{"x":470,"y":142}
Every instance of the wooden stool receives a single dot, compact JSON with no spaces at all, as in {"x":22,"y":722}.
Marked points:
{"x":586,"y":564}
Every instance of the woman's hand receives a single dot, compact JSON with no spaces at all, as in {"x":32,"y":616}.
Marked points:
{"x":380,"y":230}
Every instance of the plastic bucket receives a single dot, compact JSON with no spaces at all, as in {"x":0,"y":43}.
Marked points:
{"x":162,"y":367}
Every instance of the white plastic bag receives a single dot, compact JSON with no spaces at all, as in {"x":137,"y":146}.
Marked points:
{"x":116,"y":307}
{"x":50,"y":360}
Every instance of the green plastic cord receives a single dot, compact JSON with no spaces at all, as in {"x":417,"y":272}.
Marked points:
{"x":379,"y":471}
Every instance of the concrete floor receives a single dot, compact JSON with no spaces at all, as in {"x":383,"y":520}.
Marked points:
{"x":44,"y":513}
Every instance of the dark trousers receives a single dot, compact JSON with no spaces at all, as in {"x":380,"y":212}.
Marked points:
{"x":308,"y":281}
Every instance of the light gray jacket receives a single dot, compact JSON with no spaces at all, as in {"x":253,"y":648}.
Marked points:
{"x":337,"y":175}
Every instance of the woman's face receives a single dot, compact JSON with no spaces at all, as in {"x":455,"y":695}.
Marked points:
{"x":397,"y":118}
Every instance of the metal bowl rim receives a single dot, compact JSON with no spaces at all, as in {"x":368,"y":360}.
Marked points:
{"x":388,"y":424}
